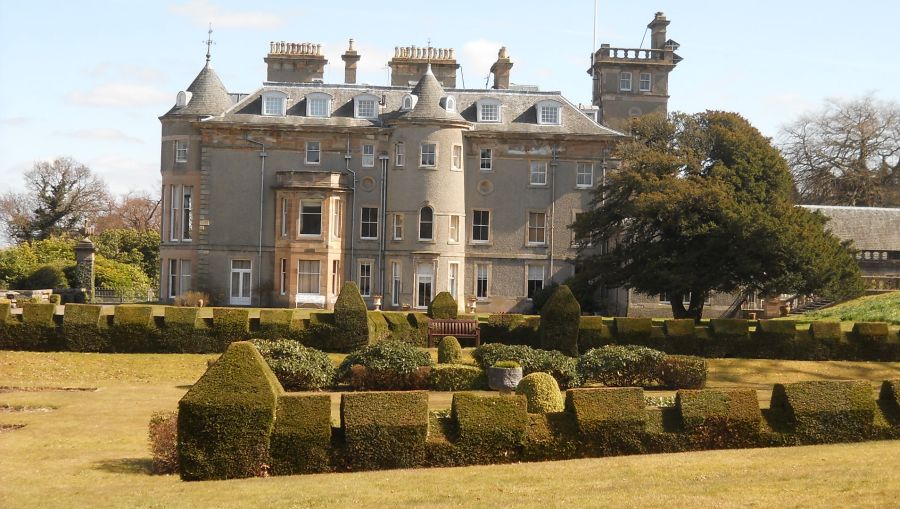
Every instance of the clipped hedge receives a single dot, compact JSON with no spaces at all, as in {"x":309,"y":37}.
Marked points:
{"x":443,"y":307}
{"x":593,"y":333}
{"x":720,"y":418}
{"x":870,"y":340}
{"x":378,"y":326}
{"x":226,"y":418}
{"x":826,"y":411}
{"x":890,"y":396}
{"x":84,"y":330}
{"x":457,"y":377}
{"x":560,"y":315}
{"x":184,"y":332}
{"x":133,"y":330}
{"x":489,"y":428}
{"x":773,"y":339}
{"x":620,"y":366}
{"x":510,"y":329}
{"x":301,"y":439}
{"x":37,"y":331}
{"x":602,"y":410}
{"x":276,"y":324}
{"x":541,"y":393}
{"x":385,"y":429}
{"x":729,"y":337}
{"x":402,"y":329}
{"x":229,"y":325}
{"x":683,"y":372}
{"x":351,"y":321}
{"x":449,"y":351}
{"x":633,"y":331}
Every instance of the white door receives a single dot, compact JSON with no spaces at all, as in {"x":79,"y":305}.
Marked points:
{"x":240,"y":283}
{"x":424,"y":283}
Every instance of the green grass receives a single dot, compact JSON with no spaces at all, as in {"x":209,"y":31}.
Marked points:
{"x":872,"y":308}
{"x":91,"y":451}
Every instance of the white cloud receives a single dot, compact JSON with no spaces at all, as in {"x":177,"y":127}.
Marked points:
{"x":123,"y":174}
{"x":106,"y":70}
{"x":15,"y":121}
{"x":476,"y":58}
{"x":118,"y":95}
{"x":203,"y":12}
{"x":101,"y":134}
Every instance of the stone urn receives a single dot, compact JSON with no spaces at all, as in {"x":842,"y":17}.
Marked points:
{"x":504,"y":378}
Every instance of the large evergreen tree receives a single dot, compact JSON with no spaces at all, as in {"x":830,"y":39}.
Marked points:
{"x":702,"y":204}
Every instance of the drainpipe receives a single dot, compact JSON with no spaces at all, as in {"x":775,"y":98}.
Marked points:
{"x":383,"y":158}
{"x":352,"y":230}
{"x":262,"y":171}
{"x":554,"y":162}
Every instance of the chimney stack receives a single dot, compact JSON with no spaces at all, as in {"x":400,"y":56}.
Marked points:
{"x":658,"y":31}
{"x":410,"y":62}
{"x":501,"y":69}
{"x":350,"y":58}
{"x":295,"y":62}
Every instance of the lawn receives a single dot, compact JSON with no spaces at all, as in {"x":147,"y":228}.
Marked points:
{"x":88,"y":449}
{"x":872,"y":308}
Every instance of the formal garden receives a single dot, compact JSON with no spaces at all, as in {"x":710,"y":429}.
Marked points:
{"x":350,"y":391}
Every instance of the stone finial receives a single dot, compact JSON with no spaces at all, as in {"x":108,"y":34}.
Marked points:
{"x":350,"y":47}
{"x":503,"y":53}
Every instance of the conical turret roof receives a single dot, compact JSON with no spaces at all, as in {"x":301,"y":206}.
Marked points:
{"x":208,"y":95}
{"x":428,"y":106}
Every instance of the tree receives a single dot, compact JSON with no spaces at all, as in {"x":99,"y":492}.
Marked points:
{"x":133,"y":210}
{"x":60,"y":196}
{"x":133,"y":247}
{"x":702,"y":204}
{"x":848,"y":153}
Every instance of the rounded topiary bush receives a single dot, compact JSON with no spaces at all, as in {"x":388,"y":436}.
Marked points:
{"x":449,"y":351}
{"x":443,"y":307}
{"x":620,"y":366}
{"x":560,"y":316}
{"x":351,"y":321}
{"x":297,"y":367}
{"x":542,"y":393}
{"x":387,"y":365}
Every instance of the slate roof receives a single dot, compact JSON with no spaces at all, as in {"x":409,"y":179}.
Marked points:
{"x":208,"y":96}
{"x":428,"y":105}
{"x":870,"y":228}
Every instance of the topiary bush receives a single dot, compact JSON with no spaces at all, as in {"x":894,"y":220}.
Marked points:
{"x":449,"y":351}
{"x":388,"y":365}
{"x":826,"y":411}
{"x":402,"y":329}
{"x":38,"y":330}
{"x":870,"y":340}
{"x":184,"y":332}
{"x":84,"y":330}
{"x":385,"y":429}
{"x":720,"y":418}
{"x":351,"y":322}
{"x":620,"y":366}
{"x":163,"y":436}
{"x":301,"y":439}
{"x":560,"y":315}
{"x":683,"y":372}
{"x":490,"y":429}
{"x":229,"y":325}
{"x":443,"y":307}
{"x":773,"y":339}
{"x":510,"y":329}
{"x":541,"y":392}
{"x":297,"y":367}
{"x":379,"y":330}
{"x":134,"y":330}
{"x":633,"y":331}
{"x":593,"y":333}
{"x":457,"y":377}
{"x":557,"y":364}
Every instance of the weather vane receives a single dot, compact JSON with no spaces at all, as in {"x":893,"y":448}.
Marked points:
{"x":209,"y":42}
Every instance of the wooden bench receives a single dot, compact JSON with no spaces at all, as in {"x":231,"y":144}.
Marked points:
{"x":460,"y":329}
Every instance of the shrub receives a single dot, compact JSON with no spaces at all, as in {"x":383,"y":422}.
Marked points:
{"x":385,"y":429}
{"x":633,"y":331}
{"x":401,"y":329}
{"x":870,"y":340}
{"x":38,"y":328}
{"x":133,"y":330}
{"x":601,"y":411}
{"x":184,"y":332}
{"x":719,"y":418}
{"x":192,"y":299}
{"x":127,"y":280}
{"x":275,"y":323}
{"x":297,"y":367}
{"x":229,"y":325}
{"x":164,"y":442}
{"x":301,"y":439}
{"x":510,"y":329}
{"x":541,"y":392}
{"x":378,"y":326}
{"x":593,"y":333}
{"x":506,"y":365}
{"x":350,"y":320}
{"x":490,"y":428}
{"x":620,"y":366}
{"x":83,"y":329}
{"x":683,"y":372}
{"x":46,"y":276}
{"x":826,"y":411}
{"x":449,"y":351}
{"x":443,"y":307}
{"x":890,"y":394}
{"x":457,"y":377}
{"x":558,"y":328}
{"x":388,"y":365}
{"x":54,"y":298}
{"x":225,"y":419}
{"x":559,"y":365}
{"x":773,"y":339}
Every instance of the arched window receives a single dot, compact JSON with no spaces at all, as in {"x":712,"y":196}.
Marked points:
{"x":318,"y":104}
{"x":409,"y":102}
{"x":426,"y":223}
{"x":274,"y":103}
{"x":450,"y":103}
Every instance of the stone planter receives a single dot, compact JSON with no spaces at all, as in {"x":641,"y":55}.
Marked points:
{"x":504,"y":379}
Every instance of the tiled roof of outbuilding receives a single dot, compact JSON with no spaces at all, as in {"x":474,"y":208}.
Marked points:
{"x":870,"y":228}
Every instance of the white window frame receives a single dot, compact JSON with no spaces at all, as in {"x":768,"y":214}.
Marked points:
{"x":487,"y":227}
{"x":368,"y":155}
{"x":181,"y":151}
{"x":645,"y":85}
{"x":397,"y":226}
{"x":419,"y":229}
{"x":318,"y":275}
{"x":173,"y":278}
{"x":453,"y":229}
{"x":240,"y":300}
{"x":335,"y":276}
{"x":541,"y":229}
{"x":549,"y":112}
{"x":417,"y":295}
{"x":362,"y":103}
{"x":489,"y":159}
{"x":396,"y":283}
{"x":337,"y":217}
{"x":528,"y":278}
{"x":450,"y":103}
{"x":365,"y":275}
{"x":175,"y":196}
{"x":302,"y":203}
{"x":408,"y":102}
{"x":584,"y":174}
{"x":184,"y":281}
{"x":457,"y":157}
{"x":487,"y":280}
{"x":489,"y":111}
{"x":625,"y":81}
{"x":399,"y":154}
{"x":284,"y":216}
{"x":363,"y":222}
{"x":187,"y":213}
{"x":282,"y":276}
{"x":433,"y":153}
{"x":537,"y":169}
{"x":274,"y":103}
{"x":453,"y":279}
{"x":313,"y":147}
{"x":320,"y":99}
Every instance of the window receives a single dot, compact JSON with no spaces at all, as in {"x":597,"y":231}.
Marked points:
{"x":308,"y":276}
{"x":174,"y":209}
{"x":318,"y":105}
{"x":368,"y":156}
{"x":365,"y":278}
{"x":185,"y":283}
{"x":282,"y":277}
{"x":337,"y":218}
{"x":179,"y":277}
{"x":313,"y":152}
{"x":369,"y":223}
{"x":481,"y":225}
{"x":365,"y":106}
{"x":457,"y":157}
{"x":487,"y":159}
{"x":584,"y":175}
{"x":399,"y":154}
{"x":398,"y":227}
{"x":645,"y":82}
{"x":284,"y":217}
{"x":173,"y":278}
{"x":481,"y":281}
{"x":239,"y":293}
{"x":395,"y":283}
{"x":453,"y":237}
{"x":187,"y":218}
{"x":310,"y":218}
{"x":424,"y":284}
{"x":273,"y":103}
{"x":535,"y":279}
{"x":409,"y":102}
{"x":181,"y":151}
{"x":625,"y":81}
{"x":426,"y":223}
{"x":536,"y":227}
{"x":335,"y":276}
{"x":453,"y":279}
{"x":538,"y":173}
{"x":548,"y":112}
{"x":428,"y":155}
{"x":449,"y":103}
{"x":488,"y":110}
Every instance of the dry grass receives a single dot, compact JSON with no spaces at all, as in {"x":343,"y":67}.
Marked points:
{"x":92,"y":451}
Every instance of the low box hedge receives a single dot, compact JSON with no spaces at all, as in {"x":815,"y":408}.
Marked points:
{"x":633,"y":331}
{"x":378,"y":327}
{"x":385,"y":429}
{"x":870,"y":340}
{"x":225,"y":420}
{"x":889,"y":398}
{"x":719,"y":418}
{"x":83,"y":329}
{"x":593,"y":333}
{"x":603,"y":410}
{"x":826,"y":411}
{"x":275,"y":324}
{"x":401,"y":329}
{"x":511,"y":329}
{"x":301,"y":439}
{"x":457,"y":377}
{"x":229,"y":325}
{"x":38,"y":330}
{"x":774,"y":339}
{"x":551,"y":436}
{"x":184,"y":332}
{"x":490,"y":429}
{"x":134,"y":330}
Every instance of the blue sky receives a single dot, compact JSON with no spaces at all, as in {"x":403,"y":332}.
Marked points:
{"x":88,"y":79}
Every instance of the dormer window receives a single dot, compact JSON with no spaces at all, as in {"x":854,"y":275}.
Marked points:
{"x":273,"y":103}
{"x":182,"y":99}
{"x":409,"y":102}
{"x":548,"y":112}
{"x":489,"y":110}
{"x":318,"y":104}
{"x":450,"y":103}
{"x":365,"y":106}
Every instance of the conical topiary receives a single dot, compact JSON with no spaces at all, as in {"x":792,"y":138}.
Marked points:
{"x":559,"y":322}
{"x":443,"y":307}
{"x":350,"y":320}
